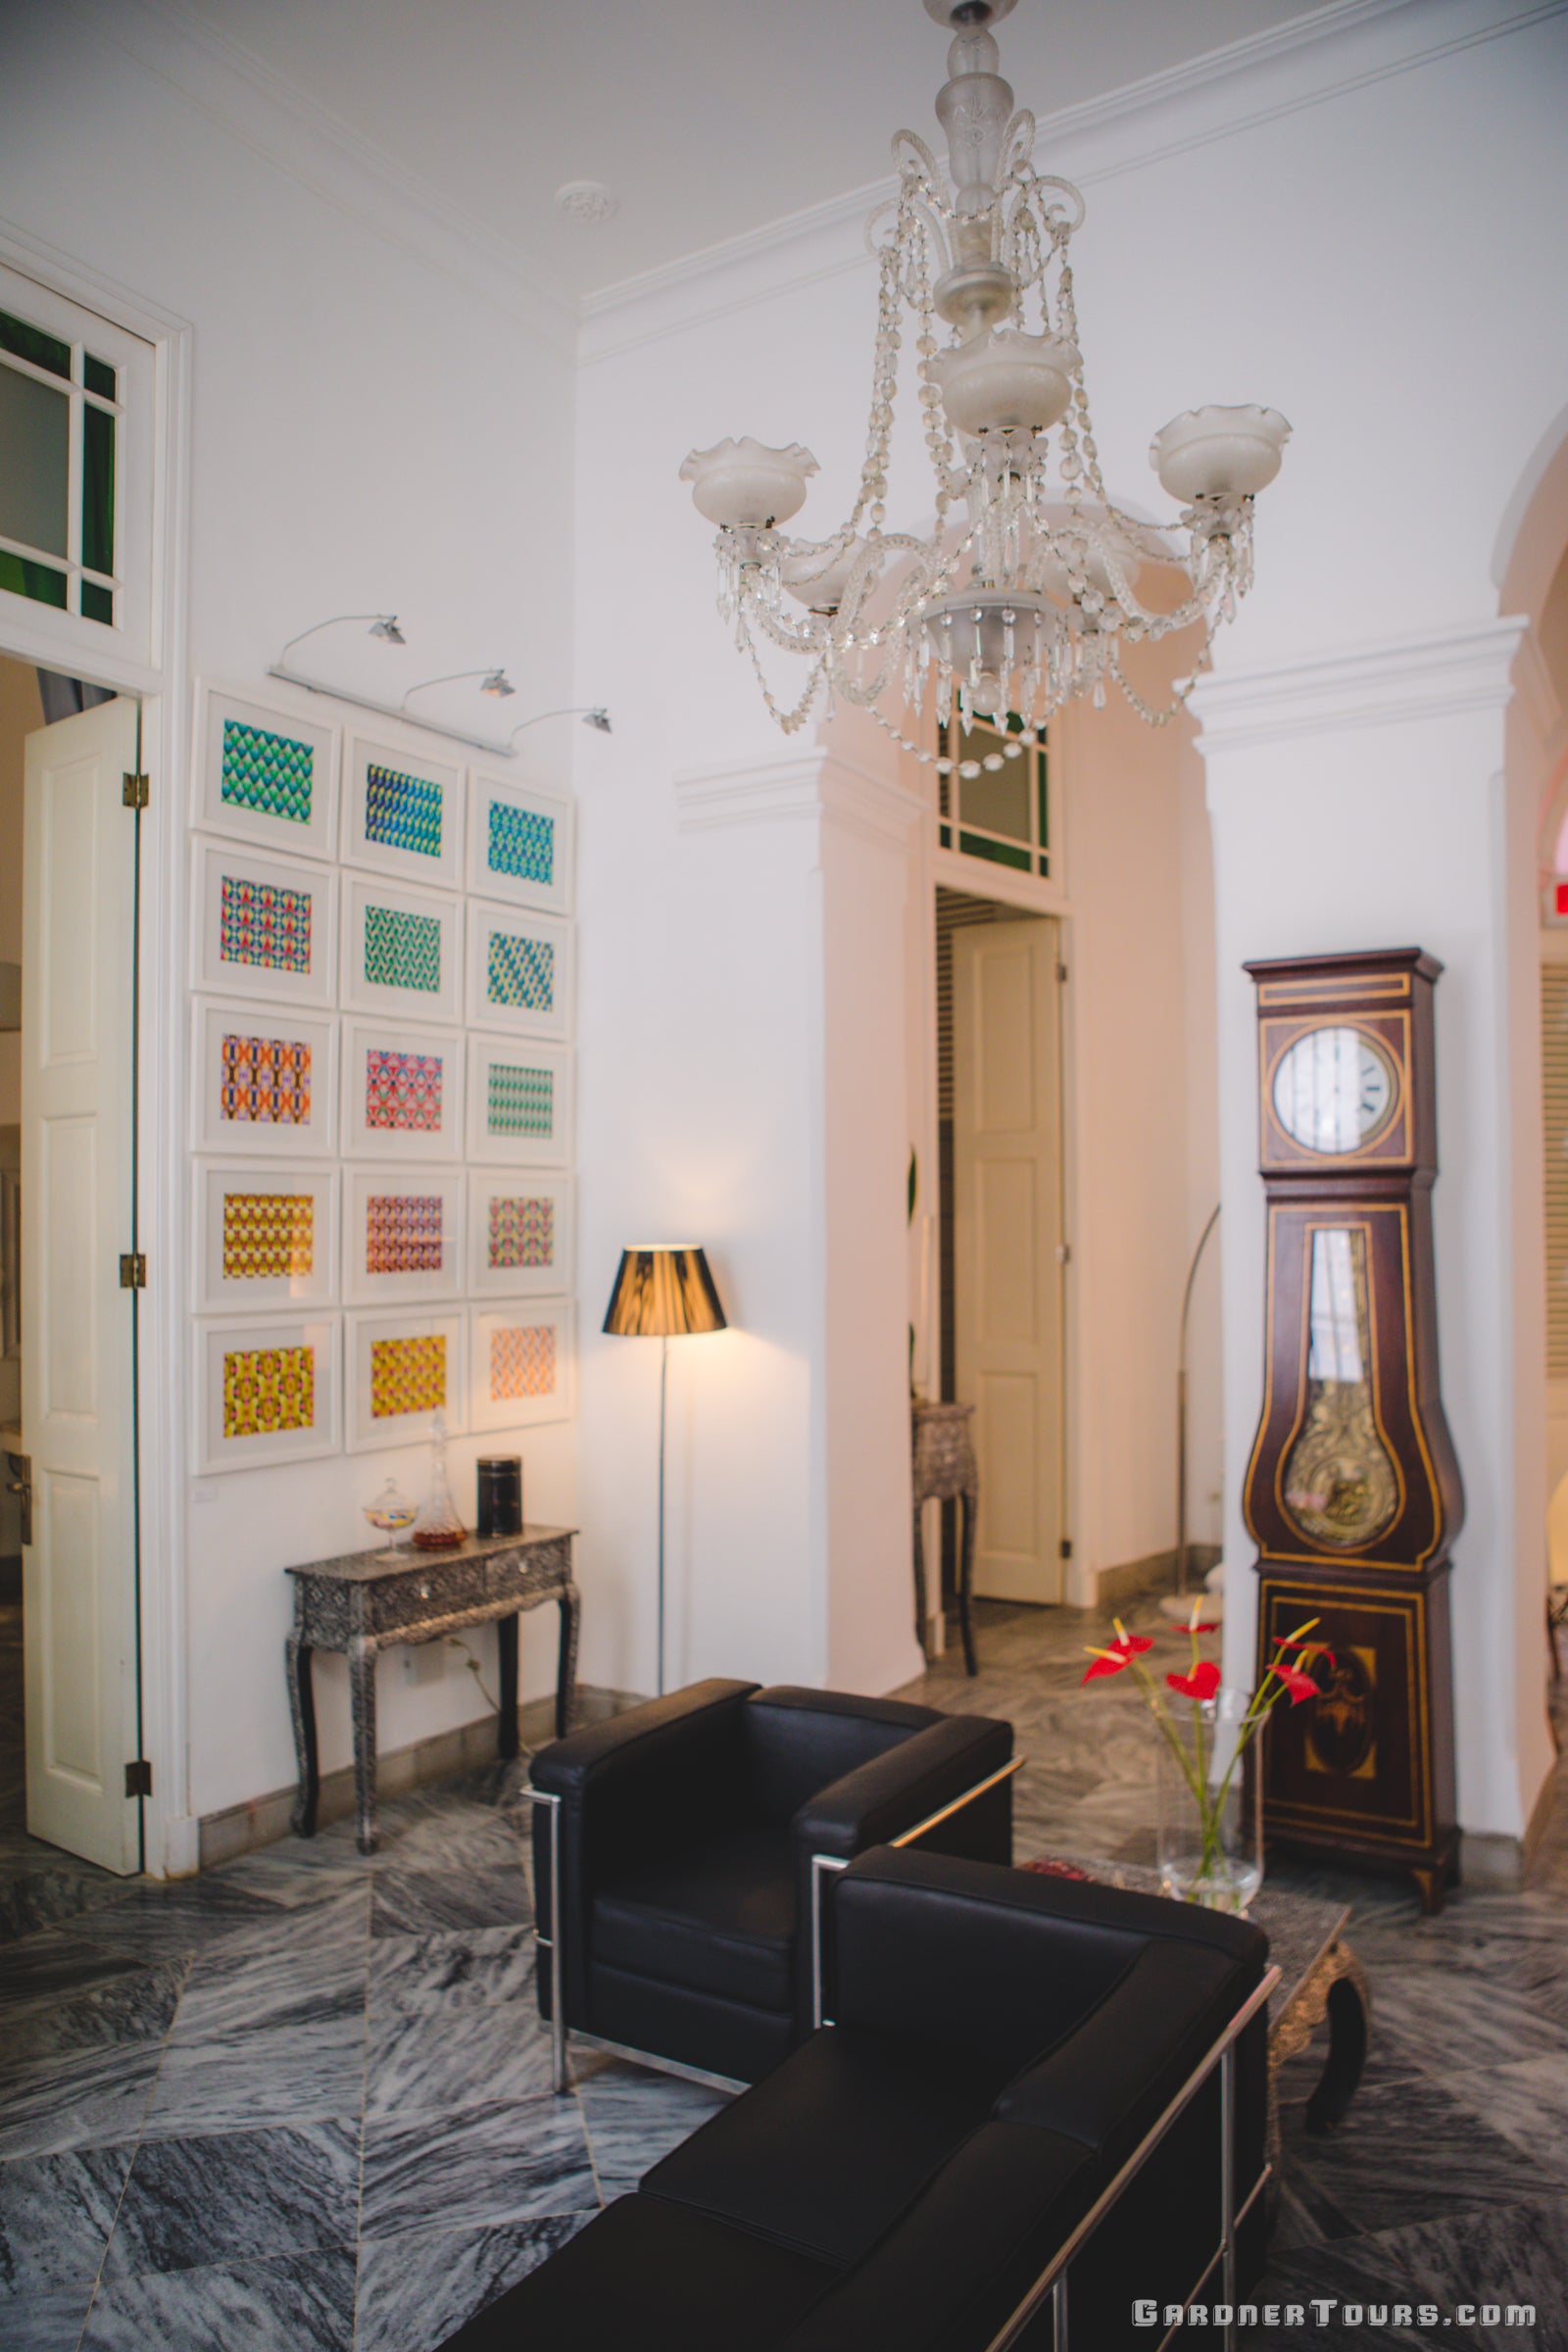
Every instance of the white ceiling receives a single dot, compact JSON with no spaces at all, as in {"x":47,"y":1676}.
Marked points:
{"x":707,"y":118}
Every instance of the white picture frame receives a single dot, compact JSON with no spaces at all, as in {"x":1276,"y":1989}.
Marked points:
{"x":227,"y":1437}
{"x":521,"y":1364}
{"x":519,"y":1102}
{"x":520,"y":971}
{"x":262,"y":926}
{"x":264,"y":774}
{"x":521,"y":843}
{"x":389,"y":926}
{"x":520,"y":1233}
{"x":263,"y":1080}
{"x":403,"y":1235}
{"x":266,"y":1237}
{"x":403,"y":813}
{"x":371,"y":1385}
{"x":402,"y":1092}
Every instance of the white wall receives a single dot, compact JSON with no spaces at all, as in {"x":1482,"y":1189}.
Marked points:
{"x":369,"y":433}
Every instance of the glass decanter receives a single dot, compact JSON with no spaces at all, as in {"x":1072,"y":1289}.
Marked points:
{"x":438,"y":1526}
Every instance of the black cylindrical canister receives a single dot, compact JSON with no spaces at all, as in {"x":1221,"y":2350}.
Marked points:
{"x":501,"y":1495}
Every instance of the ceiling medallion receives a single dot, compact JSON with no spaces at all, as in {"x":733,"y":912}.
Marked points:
{"x":1027,"y":586}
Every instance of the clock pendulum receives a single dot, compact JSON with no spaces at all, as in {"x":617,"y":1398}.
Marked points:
{"x":1352,"y":1492}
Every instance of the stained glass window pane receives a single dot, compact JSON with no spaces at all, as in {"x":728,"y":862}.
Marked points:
{"x":98,"y":375}
{"x":97,"y":604}
{"x":34,"y":436}
{"x":40,"y":581}
{"x":31,"y":343}
{"x":97,"y":489}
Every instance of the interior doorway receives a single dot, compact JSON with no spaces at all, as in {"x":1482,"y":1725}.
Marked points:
{"x":1002,"y":1254}
{"x":68,"y":1534}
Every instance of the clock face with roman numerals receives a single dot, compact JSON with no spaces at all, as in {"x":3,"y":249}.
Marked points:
{"x":1335,"y":1089}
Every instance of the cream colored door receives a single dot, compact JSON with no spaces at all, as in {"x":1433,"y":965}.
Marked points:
{"x":78,"y":1364}
{"x":1007,"y":1257}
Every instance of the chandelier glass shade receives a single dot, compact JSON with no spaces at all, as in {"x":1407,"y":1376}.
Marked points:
{"x":1030,"y":580}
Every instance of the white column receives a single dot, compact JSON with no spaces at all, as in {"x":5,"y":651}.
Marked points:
{"x":1364,"y":801}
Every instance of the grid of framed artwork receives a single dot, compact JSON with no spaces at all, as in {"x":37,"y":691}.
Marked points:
{"x":382,"y":1091}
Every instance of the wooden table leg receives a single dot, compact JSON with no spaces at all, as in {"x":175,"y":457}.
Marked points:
{"x":922,"y":1631}
{"x":362,"y":1698}
{"x":566,"y":1663}
{"x":302,"y":1708}
{"x":506,"y":1728}
{"x":972,"y":1500}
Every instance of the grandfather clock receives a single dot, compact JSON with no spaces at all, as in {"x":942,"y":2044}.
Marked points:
{"x":1352,"y":1492}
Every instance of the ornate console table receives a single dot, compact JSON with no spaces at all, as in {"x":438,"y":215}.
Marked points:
{"x":945,"y":1471}
{"x":366,"y":1602}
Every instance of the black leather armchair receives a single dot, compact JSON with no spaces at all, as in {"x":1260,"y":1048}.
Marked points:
{"x":685,"y":1853}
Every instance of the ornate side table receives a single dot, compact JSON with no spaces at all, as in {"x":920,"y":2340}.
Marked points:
{"x":945,"y":1470}
{"x":364,"y":1602}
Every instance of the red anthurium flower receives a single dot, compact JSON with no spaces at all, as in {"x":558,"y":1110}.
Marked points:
{"x":1298,"y":1685}
{"x":1118,"y":1654}
{"x":1201,"y":1683}
{"x":1208,"y":1626}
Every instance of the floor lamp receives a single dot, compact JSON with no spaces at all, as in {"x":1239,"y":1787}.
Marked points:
{"x":664,"y":1291}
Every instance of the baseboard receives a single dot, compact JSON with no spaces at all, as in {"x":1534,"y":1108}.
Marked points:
{"x":1154,"y":1572}
{"x":238,"y":1829}
{"x":1497,"y":1864}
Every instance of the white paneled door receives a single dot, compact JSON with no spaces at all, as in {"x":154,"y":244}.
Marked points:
{"x":77,"y":1362}
{"x":1008,"y":1259}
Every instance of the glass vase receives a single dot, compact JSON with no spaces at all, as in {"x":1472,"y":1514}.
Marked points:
{"x":1211,"y":1803}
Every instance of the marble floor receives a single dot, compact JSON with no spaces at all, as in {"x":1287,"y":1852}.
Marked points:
{"x":303,"y":2100}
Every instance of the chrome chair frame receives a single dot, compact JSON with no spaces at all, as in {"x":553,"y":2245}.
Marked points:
{"x":821,"y":1865}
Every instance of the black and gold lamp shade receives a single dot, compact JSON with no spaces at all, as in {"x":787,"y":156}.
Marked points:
{"x":664,"y":1291}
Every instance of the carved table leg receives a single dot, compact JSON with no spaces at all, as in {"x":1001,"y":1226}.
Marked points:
{"x":507,"y":1730}
{"x":566,"y":1667}
{"x":971,"y":1500}
{"x":921,"y":1629}
{"x":362,"y":1698}
{"x":302,"y":1708}
{"x":1347,"y":2006}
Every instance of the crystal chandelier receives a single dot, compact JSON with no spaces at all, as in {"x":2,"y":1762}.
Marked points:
{"x":1028,"y":583}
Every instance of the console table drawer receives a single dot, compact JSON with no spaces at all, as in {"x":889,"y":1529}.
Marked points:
{"x":425,"y":1592}
{"x":515,"y":1579}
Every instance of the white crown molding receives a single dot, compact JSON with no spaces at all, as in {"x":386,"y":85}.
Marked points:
{"x":1433,"y":675}
{"x":1234,"y":89}
{"x":276,"y":119}
{"x":817,"y":787}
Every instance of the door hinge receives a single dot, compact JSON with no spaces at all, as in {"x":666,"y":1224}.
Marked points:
{"x":1063,"y":1253}
{"x":1064,"y":1548}
{"x":132,"y":1270}
{"x":139,"y":1778}
{"x":1061,"y":969}
{"x":133,"y":790}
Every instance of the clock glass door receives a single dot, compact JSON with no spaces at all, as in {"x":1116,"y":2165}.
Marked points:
{"x":1338,"y":1481}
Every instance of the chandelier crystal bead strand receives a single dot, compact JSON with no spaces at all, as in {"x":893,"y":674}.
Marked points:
{"x":1027,"y":586}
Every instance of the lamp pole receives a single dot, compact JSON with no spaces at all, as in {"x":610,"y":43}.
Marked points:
{"x":663,"y":1380}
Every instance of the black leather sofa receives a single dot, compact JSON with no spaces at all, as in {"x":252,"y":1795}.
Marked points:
{"x":1002,"y":2045}
{"x":694,"y":1840}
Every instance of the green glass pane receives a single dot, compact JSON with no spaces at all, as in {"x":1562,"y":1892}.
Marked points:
{"x":999,"y":802}
{"x":35,"y":430}
{"x":44,"y":586}
{"x":98,"y":375}
{"x":1044,"y":834}
{"x":31,"y":343}
{"x":996,"y":852}
{"x":946,"y":836}
{"x":97,"y":489}
{"x":97,"y":604}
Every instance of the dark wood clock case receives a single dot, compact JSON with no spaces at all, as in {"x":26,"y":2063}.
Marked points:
{"x":1351,"y":1493}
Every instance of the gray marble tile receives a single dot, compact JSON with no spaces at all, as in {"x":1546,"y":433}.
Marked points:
{"x":237,"y":2196}
{"x":416,"y":2291}
{"x":1516,"y":2254}
{"x":1407,"y":2154}
{"x":136,"y":2006}
{"x":634,"y":2117}
{"x":303,"y":2302}
{"x":45,"y":2323}
{"x":296,"y":1873}
{"x":441,"y":1901}
{"x":55,"y":2213}
{"x":87,"y":2101}
{"x":470,"y":1968}
{"x":161,"y":1921}
{"x":427,"y":2060}
{"x":238,"y":1991}
{"x":42,"y":1893}
{"x":52,"y":1967}
{"x":442,"y":1831}
{"x":1363,"y":2273}
{"x":1449,"y":2019}
{"x":503,"y":2162}
{"x":275,"y":2074}
{"x":1527,"y":2103}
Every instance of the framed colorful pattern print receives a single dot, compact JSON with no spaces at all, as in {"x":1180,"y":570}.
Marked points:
{"x":402,"y":950}
{"x":520,"y":971}
{"x":402,"y":1235}
{"x":402,"y":1092}
{"x":402,"y":813}
{"x":519,"y":1102}
{"x":403,"y":1367}
{"x":268,"y":1391}
{"x":519,"y":844}
{"x":519,"y":1233}
{"x":264,"y":776}
{"x":266,"y":1237}
{"x":261,"y":927}
{"x":521,"y":1365}
{"x":263,"y":1080}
